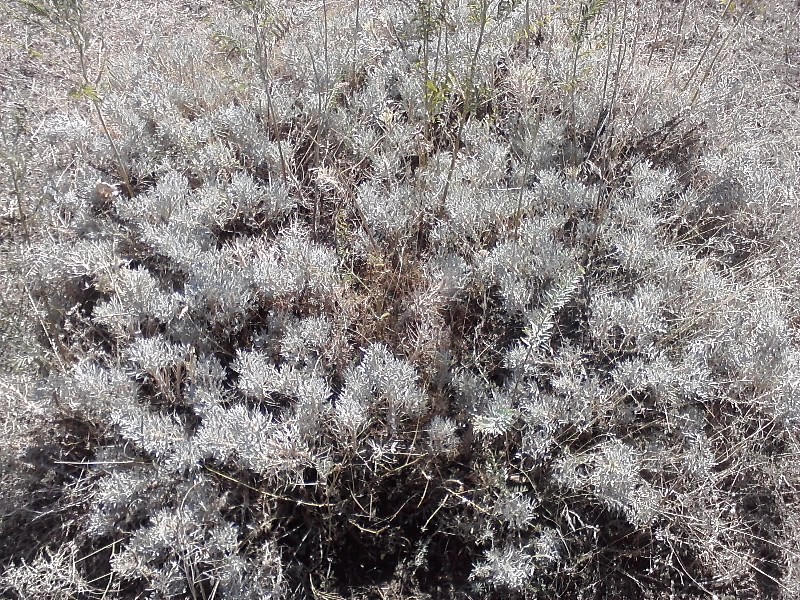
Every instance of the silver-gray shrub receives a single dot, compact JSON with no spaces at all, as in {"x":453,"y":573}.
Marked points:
{"x":459,"y":298}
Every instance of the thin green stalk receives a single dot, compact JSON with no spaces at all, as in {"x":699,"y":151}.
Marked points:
{"x":607,"y":72}
{"x":355,"y":42}
{"x":620,"y":59}
{"x":656,"y":33}
{"x":427,"y":77}
{"x":325,"y":44}
{"x":261,"y":49}
{"x":679,"y":34}
{"x":718,"y":52}
{"x":68,"y":16}
{"x":467,"y":98}
{"x":527,"y":28}
{"x":80,"y":39}
{"x":708,"y":47}
{"x":589,"y":12}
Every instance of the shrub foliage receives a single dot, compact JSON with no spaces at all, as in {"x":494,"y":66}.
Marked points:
{"x":401,"y":299}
